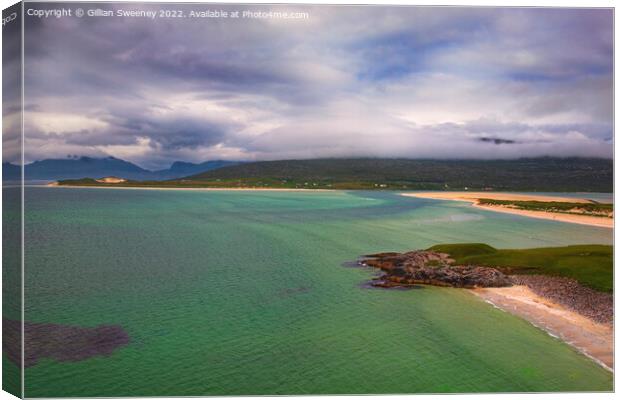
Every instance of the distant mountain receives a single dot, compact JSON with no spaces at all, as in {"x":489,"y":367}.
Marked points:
{"x":10,"y":172}
{"x":179,"y":168}
{"x":527,"y":174}
{"x":76,"y":168}
{"x":83,"y":167}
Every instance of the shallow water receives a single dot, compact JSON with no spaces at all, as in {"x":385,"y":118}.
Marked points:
{"x":245,"y":293}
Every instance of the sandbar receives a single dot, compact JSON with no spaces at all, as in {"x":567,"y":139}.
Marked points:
{"x":474,"y":197}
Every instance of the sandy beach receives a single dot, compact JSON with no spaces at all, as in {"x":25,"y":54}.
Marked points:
{"x":593,"y":339}
{"x":56,"y":185}
{"x":473,"y":198}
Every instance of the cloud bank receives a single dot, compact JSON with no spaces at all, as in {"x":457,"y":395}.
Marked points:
{"x":346,"y":81}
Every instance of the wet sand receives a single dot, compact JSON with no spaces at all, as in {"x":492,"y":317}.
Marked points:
{"x":474,"y":197}
{"x":593,"y":339}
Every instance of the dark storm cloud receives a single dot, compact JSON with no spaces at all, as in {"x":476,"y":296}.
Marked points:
{"x":496,"y":140}
{"x":347,"y":81}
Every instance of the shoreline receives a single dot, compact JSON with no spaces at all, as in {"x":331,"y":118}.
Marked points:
{"x":473,"y":197}
{"x":52,"y":185}
{"x":593,"y":339}
{"x":563,"y":307}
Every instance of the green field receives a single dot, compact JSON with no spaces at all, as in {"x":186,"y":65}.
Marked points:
{"x":591,"y":265}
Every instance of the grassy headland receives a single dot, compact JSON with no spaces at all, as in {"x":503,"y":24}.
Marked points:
{"x":590,"y":265}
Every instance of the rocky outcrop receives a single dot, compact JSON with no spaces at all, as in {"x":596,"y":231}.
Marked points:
{"x":431,"y":268}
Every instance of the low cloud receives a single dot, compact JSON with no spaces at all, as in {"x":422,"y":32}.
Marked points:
{"x":496,"y":140}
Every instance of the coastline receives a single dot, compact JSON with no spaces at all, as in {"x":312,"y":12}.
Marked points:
{"x":53,"y":185}
{"x":593,"y":339}
{"x":473,"y":197}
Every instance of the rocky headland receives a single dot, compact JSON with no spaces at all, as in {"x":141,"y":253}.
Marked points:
{"x":431,"y":268}
{"x":563,"y":307}
{"x":423,"y":267}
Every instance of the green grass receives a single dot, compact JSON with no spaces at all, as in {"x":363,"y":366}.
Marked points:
{"x":591,"y":265}
{"x":597,"y":209}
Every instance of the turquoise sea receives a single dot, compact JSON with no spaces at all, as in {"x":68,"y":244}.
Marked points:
{"x":230,"y":293}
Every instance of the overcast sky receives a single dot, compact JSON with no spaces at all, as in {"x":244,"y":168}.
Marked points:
{"x":347,"y":81}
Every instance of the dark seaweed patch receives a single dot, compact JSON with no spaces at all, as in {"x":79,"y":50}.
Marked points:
{"x":293,"y":291}
{"x":63,"y":343}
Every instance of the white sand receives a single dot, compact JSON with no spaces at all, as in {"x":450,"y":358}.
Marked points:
{"x":474,"y":197}
{"x":593,"y":339}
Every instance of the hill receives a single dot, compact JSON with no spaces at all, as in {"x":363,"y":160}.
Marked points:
{"x":77,"y":168}
{"x":10,"y":172}
{"x":535,"y":174}
{"x":51,"y":169}
{"x":180,"y":169}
